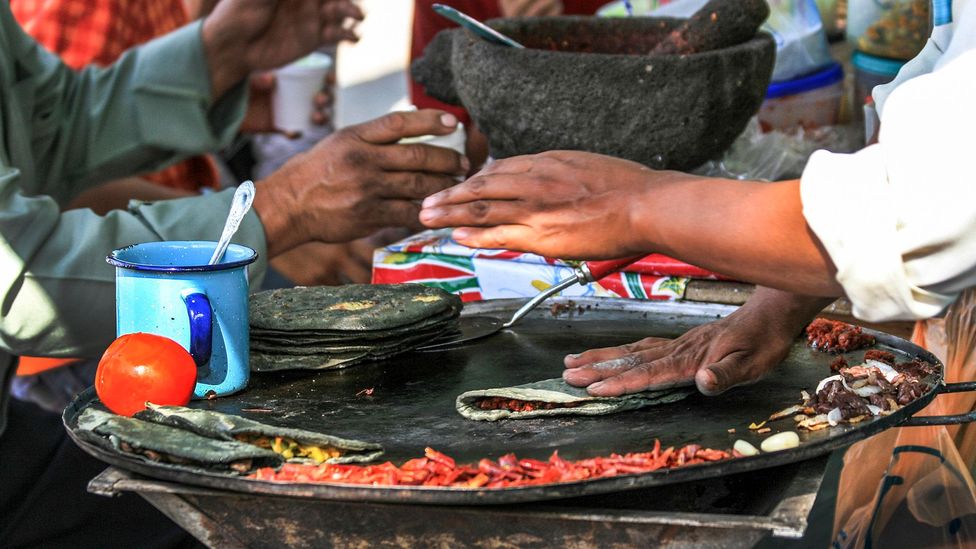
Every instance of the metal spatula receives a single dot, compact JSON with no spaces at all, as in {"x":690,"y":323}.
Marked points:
{"x":477,"y":327}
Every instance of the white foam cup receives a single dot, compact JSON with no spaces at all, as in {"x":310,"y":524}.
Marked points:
{"x":295,"y":88}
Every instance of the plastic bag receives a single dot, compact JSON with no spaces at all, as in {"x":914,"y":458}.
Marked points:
{"x":912,"y":487}
{"x":801,"y":42}
{"x":775,"y":155}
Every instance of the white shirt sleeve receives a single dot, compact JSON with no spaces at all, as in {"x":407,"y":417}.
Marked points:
{"x":899,"y":218}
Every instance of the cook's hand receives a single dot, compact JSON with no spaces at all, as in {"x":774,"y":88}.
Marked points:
{"x":260,"y":115}
{"x":530,"y":8}
{"x":316,"y":264}
{"x":736,"y":350}
{"x":558,"y":204}
{"x":242,"y":36}
{"x":357,"y":181}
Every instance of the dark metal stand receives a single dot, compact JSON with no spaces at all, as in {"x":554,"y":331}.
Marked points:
{"x":733,"y":511}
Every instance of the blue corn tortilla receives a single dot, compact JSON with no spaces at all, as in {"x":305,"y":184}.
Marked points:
{"x":558,"y":391}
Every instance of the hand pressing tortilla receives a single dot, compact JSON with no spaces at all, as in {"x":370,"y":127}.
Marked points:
{"x":553,"y":397}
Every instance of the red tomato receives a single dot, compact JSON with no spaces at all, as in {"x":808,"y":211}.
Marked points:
{"x":137,"y":368}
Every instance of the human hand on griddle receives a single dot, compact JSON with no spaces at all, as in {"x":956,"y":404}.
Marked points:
{"x":357,"y":181}
{"x":736,"y":350}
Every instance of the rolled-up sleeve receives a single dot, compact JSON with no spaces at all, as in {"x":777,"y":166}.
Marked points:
{"x":899,"y":218}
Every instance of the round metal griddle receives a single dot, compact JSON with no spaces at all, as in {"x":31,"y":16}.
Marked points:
{"x":412,"y":406}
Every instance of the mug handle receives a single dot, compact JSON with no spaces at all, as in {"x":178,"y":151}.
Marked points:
{"x":201,"y":326}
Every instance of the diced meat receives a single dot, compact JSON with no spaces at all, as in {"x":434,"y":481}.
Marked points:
{"x":835,"y":395}
{"x":881,"y":356}
{"x":832,"y":336}
{"x":916,"y":368}
{"x":908,"y":391}
{"x":880,"y":401}
{"x":502,"y":403}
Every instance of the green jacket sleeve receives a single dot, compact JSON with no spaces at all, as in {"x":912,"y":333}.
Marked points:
{"x":61,"y":131}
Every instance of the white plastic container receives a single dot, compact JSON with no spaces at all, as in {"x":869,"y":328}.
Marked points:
{"x":871,"y":71}
{"x":808,"y":102}
{"x":295,"y":88}
{"x":455,"y":140}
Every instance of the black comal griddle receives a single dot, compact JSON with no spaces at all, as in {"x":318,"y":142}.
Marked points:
{"x":411,"y":406}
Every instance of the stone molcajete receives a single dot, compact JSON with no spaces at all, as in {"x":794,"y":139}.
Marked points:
{"x":585,"y":83}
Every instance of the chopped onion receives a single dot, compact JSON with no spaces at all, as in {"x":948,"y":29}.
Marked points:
{"x":859,"y":383}
{"x":875,"y":410}
{"x":834,"y":417}
{"x":887,"y":371}
{"x":745,"y":448}
{"x":780,"y":441}
{"x":786,"y":412}
{"x":823,"y":382}
{"x":867,"y":390}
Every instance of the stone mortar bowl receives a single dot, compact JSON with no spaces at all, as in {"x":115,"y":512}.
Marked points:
{"x":585,"y":83}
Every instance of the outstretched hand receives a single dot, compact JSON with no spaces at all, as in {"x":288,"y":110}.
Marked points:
{"x":242,"y":36}
{"x":736,"y":350}
{"x":567,"y":204}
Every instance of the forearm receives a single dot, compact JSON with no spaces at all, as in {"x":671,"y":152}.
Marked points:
{"x":224,"y":59}
{"x":115,"y":195}
{"x":745,"y":230}
{"x":785,"y":312}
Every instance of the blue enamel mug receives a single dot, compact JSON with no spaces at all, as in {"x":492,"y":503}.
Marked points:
{"x":167,"y":288}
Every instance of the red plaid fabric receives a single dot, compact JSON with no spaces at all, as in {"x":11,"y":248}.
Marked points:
{"x":85,"y":32}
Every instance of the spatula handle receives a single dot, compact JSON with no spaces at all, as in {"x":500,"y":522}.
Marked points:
{"x":595,"y":270}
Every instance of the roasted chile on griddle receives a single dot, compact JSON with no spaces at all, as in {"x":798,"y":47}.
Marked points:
{"x":437,"y":469}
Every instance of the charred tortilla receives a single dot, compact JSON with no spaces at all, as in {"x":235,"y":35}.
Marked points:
{"x":170,"y":446}
{"x":554,"y":397}
{"x":291,"y":443}
{"x":326,"y":327}
{"x":350,"y":308}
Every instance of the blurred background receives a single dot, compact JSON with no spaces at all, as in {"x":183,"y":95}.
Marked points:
{"x":371,"y":77}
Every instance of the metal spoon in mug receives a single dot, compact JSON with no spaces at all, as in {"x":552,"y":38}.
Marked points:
{"x":239,"y":206}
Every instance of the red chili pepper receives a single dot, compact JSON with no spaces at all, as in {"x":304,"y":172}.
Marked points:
{"x":437,"y":469}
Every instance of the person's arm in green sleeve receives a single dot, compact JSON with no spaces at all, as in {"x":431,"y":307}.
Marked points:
{"x":58,"y":292}
{"x":150,"y":108}
{"x":60,"y":129}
